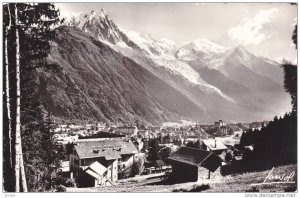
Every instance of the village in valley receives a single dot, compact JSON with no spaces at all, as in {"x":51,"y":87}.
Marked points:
{"x":101,"y":155}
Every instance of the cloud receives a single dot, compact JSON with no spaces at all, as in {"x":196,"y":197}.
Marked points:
{"x":295,"y":21}
{"x":281,"y":59}
{"x":249,"y":31}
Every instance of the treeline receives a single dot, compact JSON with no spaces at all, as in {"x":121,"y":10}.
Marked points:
{"x":277,"y":142}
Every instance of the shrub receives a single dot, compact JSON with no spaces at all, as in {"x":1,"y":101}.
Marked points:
{"x":195,"y":188}
{"x":291,"y":189}
{"x":70,"y":183}
{"x":61,"y":188}
{"x":138,"y":166}
{"x":253,"y":189}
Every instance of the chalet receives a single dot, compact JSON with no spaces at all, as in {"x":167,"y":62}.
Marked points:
{"x":186,"y":162}
{"x":213,"y":145}
{"x":113,"y":155}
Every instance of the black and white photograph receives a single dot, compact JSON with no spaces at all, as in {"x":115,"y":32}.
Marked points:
{"x":144,"y":97}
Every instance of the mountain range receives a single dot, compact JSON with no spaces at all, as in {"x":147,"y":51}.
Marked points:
{"x":114,"y":75}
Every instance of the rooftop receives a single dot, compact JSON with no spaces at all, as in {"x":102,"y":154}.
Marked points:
{"x":97,"y":168}
{"x":214,"y":144}
{"x":196,"y":157}
{"x":109,"y":149}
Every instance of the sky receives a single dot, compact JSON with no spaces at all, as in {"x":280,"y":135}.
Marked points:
{"x":264,"y":29}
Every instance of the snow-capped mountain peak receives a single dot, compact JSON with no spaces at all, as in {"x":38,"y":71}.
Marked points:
{"x":98,"y":24}
{"x":136,"y":37}
{"x":95,"y":14}
{"x":168,"y":42}
{"x":241,"y":55}
{"x":207,"y":46}
{"x":103,"y":14}
{"x":215,"y":78}
{"x":203,"y":52}
{"x":241,"y":50}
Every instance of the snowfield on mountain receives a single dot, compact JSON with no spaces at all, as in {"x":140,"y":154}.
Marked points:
{"x":216,"y":81}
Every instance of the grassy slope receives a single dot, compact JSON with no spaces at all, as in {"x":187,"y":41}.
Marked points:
{"x":242,"y":182}
{"x":232,"y":183}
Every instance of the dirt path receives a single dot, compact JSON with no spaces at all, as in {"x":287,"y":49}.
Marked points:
{"x":147,"y":183}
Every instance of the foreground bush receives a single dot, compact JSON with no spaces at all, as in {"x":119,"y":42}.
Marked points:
{"x":195,"y":188}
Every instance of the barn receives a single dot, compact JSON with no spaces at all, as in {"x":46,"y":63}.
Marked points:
{"x":186,"y":161}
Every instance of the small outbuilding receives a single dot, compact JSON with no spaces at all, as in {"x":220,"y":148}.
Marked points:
{"x":186,"y":161}
{"x":95,"y":175}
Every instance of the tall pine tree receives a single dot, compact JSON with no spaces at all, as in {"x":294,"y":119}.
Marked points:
{"x":28,"y":30}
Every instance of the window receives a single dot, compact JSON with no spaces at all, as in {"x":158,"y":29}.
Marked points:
{"x":123,"y":165}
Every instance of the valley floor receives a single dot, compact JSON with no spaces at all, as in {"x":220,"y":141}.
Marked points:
{"x":231,"y":183}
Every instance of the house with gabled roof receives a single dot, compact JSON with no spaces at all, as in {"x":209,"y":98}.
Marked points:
{"x":95,"y":175}
{"x":93,"y":160}
{"x":186,"y":162}
{"x":213,"y":145}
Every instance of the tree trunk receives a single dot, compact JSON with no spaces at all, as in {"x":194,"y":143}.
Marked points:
{"x":18,"y":115}
{"x":18,"y":124}
{"x":23,"y":176}
{"x":19,"y":154}
{"x":7,"y":88}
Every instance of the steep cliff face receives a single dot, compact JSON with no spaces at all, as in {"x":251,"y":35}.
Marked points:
{"x":97,"y":83}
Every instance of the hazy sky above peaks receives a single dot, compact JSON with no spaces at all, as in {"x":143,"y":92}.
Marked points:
{"x":263,"y":28}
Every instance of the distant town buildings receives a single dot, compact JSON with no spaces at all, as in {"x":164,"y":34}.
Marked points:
{"x":103,"y":153}
{"x":255,"y":125}
{"x":126,"y":130}
{"x":220,"y":123}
